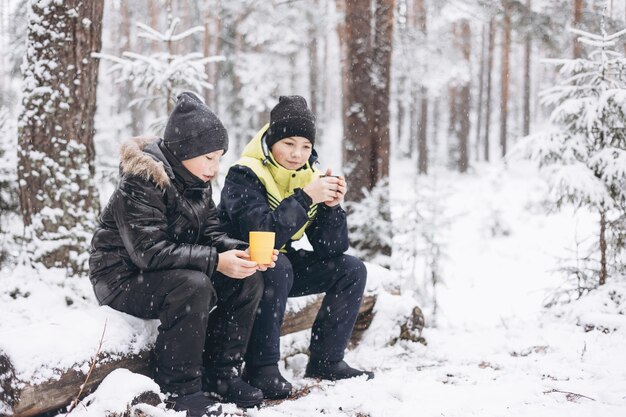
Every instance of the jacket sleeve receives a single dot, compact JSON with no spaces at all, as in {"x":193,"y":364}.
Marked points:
{"x":140,"y":215}
{"x":244,"y":199}
{"x":328,"y":233}
{"x":213,"y":235}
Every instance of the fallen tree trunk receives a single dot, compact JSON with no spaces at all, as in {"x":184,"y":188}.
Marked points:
{"x":304,"y":318}
{"x":30,"y":400}
{"x":20,"y":398}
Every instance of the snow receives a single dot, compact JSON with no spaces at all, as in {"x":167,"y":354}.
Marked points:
{"x":42,"y":308}
{"x":582,"y":159}
{"x":78,"y":334}
{"x":493,"y":349}
{"x":117,"y":391}
{"x":496,"y":351}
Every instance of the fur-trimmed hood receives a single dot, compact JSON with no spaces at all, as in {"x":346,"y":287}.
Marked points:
{"x":142,"y":156}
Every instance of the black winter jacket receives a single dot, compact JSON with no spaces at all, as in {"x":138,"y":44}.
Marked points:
{"x":244,"y":207}
{"x":159,"y":217}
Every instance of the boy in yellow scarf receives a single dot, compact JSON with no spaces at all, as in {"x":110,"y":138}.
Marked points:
{"x":275,"y":187}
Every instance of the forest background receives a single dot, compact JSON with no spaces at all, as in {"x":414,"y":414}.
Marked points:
{"x":452,"y":120}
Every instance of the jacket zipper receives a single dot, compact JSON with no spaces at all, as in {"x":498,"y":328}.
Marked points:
{"x":198,"y":220}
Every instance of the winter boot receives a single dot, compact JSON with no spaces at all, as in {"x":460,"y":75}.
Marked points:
{"x":269,"y":380}
{"x":333,"y":371}
{"x":230,"y":388}
{"x":196,"y":405}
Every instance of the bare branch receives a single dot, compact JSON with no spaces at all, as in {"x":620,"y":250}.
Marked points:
{"x":93,"y":365}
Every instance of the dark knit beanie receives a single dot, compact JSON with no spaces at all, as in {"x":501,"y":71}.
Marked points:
{"x":193,"y":129}
{"x":290,"y":117}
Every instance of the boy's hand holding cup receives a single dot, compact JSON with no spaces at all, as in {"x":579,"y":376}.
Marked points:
{"x":337,"y":186}
{"x":262,"y":249}
{"x":328,"y":189}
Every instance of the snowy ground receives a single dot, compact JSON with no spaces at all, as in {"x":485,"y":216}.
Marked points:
{"x":494,"y":351}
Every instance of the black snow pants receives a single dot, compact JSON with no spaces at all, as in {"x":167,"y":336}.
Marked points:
{"x":190,"y":339}
{"x":300,"y":273}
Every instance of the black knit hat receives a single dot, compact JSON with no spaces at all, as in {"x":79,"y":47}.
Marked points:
{"x":290,"y":117}
{"x":193,"y":129}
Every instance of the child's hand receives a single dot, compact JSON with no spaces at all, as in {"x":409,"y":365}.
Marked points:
{"x":340,"y":194}
{"x":272,"y":265}
{"x":325,"y":188}
{"x":235,"y":264}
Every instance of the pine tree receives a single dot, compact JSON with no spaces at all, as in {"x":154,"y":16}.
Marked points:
{"x":160,"y":76}
{"x":8,"y":175}
{"x":419,"y":240}
{"x":584,"y":155}
{"x":56,"y":153}
{"x":370,"y":221}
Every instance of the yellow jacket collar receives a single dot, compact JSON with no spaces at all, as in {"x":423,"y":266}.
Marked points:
{"x":286,"y":179}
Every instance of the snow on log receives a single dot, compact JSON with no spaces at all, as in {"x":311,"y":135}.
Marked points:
{"x":46,"y":369}
{"x":43,"y":365}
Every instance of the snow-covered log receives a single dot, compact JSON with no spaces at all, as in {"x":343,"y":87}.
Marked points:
{"x":42,"y":367}
{"x":303,"y":318}
{"x":20,"y":398}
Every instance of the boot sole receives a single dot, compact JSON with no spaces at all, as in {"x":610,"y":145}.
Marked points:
{"x":240,"y":404}
{"x":271,"y":395}
{"x":276,"y":396}
{"x":334,"y":378}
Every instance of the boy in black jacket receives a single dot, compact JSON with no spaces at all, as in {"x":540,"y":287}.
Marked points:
{"x":158,"y":253}
{"x":274,"y":187}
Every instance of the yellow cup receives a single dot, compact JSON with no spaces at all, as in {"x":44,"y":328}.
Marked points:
{"x":262,"y":247}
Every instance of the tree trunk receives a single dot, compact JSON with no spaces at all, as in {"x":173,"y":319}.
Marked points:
{"x":464,"y":100}
{"x":218,"y":50}
{"x":379,"y":133}
{"x":422,"y":138}
{"x":125,"y":46}
{"x":366,"y":123}
{"x":481,"y":85}
{"x":155,"y":14}
{"x":170,"y":100}
{"x":381,"y":70}
{"x":126,"y":92}
{"x":324,"y":69}
{"x":184,"y":11}
{"x":527,"y":68}
{"x":3,"y":56}
{"x":504,"y":79}
{"x":58,"y":198}
{"x":453,"y":108}
{"x":459,"y":91}
{"x":490,"y":48}
{"x":313,"y":62}
{"x":358,"y":147}
{"x":422,"y":128}
{"x":404,"y":87}
{"x":603,"y":246}
{"x":206,"y":51}
{"x":401,"y":117}
{"x":436,"y":114}
{"x":212,"y":47}
{"x":156,"y":11}
{"x":577,"y":19}
{"x":413,"y":107}
{"x":342,"y":34}
{"x":293,"y":62}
